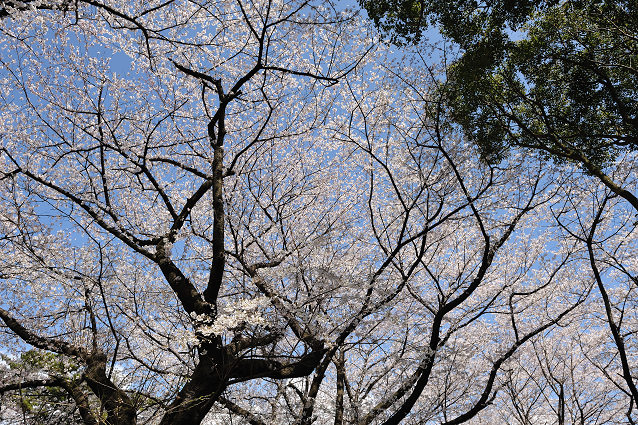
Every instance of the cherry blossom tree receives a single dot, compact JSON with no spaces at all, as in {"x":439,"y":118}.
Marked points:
{"x":603,"y":223}
{"x":253,"y":211}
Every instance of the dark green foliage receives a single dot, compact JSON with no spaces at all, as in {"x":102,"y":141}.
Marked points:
{"x":44,"y":405}
{"x":557,"y":77}
{"x":467,"y":22}
{"x":37,"y":360}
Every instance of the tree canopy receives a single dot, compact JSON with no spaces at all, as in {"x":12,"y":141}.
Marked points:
{"x":256,"y":212}
{"x":557,"y":77}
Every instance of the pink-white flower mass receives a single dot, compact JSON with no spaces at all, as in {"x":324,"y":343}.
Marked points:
{"x":259,"y":212}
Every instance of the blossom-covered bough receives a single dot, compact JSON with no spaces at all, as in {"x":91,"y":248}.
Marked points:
{"x":251,"y":211}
